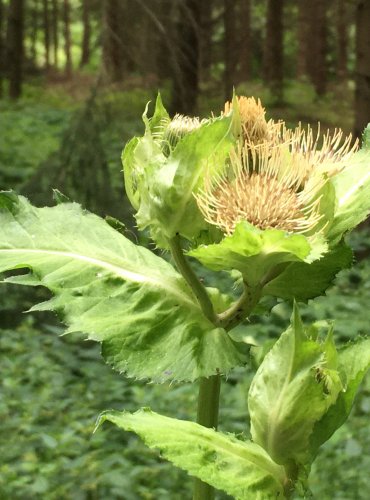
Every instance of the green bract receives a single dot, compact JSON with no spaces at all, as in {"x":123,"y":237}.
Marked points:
{"x":161,"y":174}
{"x":303,"y":392}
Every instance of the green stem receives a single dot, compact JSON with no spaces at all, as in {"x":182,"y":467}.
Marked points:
{"x":199,"y":290}
{"x":208,"y":404}
{"x":209,"y":388}
{"x":241,"y":309}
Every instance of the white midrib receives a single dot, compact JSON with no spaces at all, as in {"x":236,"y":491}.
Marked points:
{"x":118,"y":271}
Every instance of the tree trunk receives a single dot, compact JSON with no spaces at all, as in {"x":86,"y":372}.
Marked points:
{"x":205,"y":48}
{"x":55,"y":15}
{"x":46,"y":26}
{"x":67,"y":38}
{"x":342,"y":34}
{"x":245,"y":38}
{"x":85,"y":56}
{"x":303,"y":38}
{"x":15,"y":48}
{"x":113,"y":60}
{"x":230,"y":49}
{"x":362,"y":76}
{"x":34,"y":30}
{"x":186,"y":73}
{"x":273,"y":50}
{"x":318,"y":45}
{"x":2,"y":65}
{"x":166,"y":57}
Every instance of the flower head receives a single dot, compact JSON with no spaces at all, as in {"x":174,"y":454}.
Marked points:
{"x":260,"y":189}
{"x":255,"y":128}
{"x":273,"y":182}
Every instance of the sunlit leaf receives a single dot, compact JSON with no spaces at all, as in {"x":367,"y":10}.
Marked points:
{"x":115,"y":292}
{"x":242,"y":469}
{"x":294,"y":386}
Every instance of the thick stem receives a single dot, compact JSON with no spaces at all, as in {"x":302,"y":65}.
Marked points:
{"x":208,"y":404}
{"x":192,"y":279}
{"x":209,"y":388}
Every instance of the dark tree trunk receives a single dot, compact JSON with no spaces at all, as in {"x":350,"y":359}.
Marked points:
{"x":15,"y":48}
{"x":67,"y":38}
{"x":342,"y":34}
{"x":303,"y":38}
{"x":55,"y":15}
{"x":230,"y":49}
{"x":113,"y":60}
{"x":2,"y":65}
{"x":166,"y":58}
{"x":186,"y":75}
{"x":245,"y":38}
{"x":34,"y":30}
{"x":205,"y":48}
{"x":362,"y":95}
{"x":46,"y":26}
{"x":273,"y":50}
{"x":318,"y":45}
{"x":85,"y":56}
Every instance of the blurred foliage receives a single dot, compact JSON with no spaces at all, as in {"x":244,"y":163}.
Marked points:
{"x":53,"y":388}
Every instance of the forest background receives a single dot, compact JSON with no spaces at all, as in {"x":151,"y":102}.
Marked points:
{"x":75,"y":76}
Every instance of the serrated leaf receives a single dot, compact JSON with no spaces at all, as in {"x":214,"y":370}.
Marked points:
{"x":242,"y":469}
{"x":115,"y":292}
{"x":353,"y":364}
{"x":254,"y":252}
{"x":306,"y":281}
{"x":293,"y":387}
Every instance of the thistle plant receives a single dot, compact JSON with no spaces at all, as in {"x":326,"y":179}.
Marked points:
{"x":239,"y":194}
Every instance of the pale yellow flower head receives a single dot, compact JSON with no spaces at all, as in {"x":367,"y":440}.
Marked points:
{"x":274,"y":177}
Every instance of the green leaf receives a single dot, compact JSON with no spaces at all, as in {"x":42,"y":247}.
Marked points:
{"x":256,"y":253}
{"x":169,"y":206}
{"x":59,"y":197}
{"x":8,"y":200}
{"x":242,"y":469}
{"x":304,"y":281}
{"x":115,"y":292}
{"x":292,"y":389}
{"x":130,"y":172}
{"x":160,"y":116}
{"x":352,"y":187}
{"x":366,"y":138}
{"x":354,"y":362}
